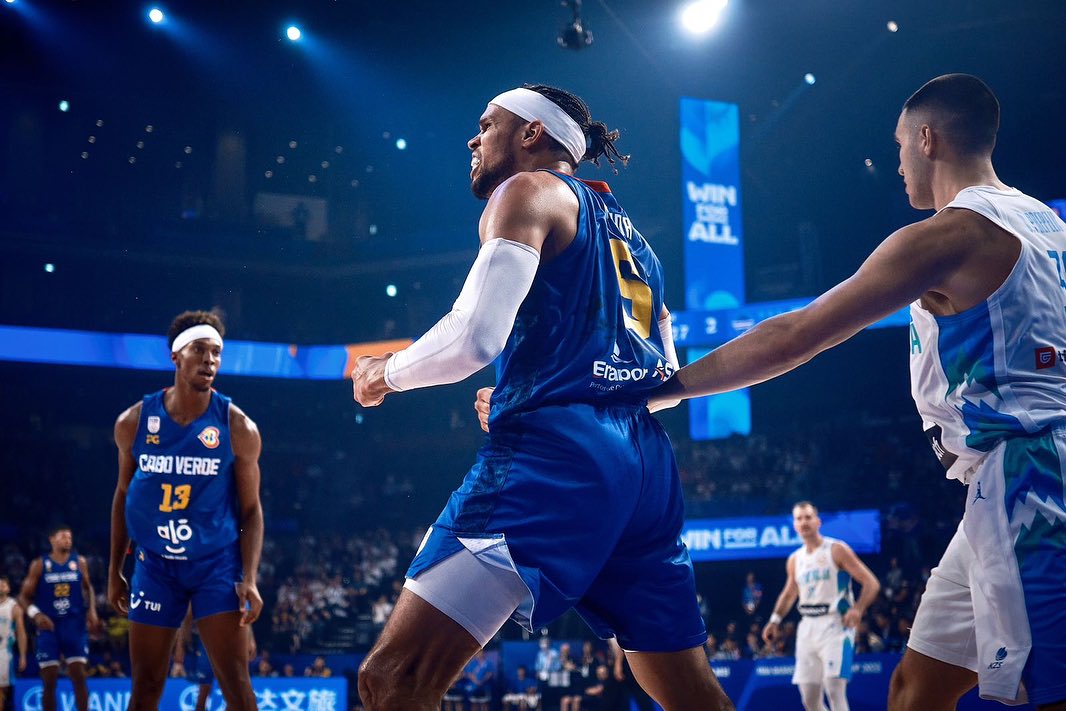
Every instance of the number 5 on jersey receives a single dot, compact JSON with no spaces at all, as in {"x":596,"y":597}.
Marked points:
{"x":175,"y":498}
{"x":632,"y":287}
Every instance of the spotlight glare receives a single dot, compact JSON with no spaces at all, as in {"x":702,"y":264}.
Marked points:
{"x":401,"y":144}
{"x":10,"y":2}
{"x":390,"y":290}
{"x":156,"y":15}
{"x":64,"y":106}
{"x":892,"y":26}
{"x":869,"y":163}
{"x":293,"y":33}
{"x":809,"y":78}
{"x":701,"y":16}
{"x":50,"y":268}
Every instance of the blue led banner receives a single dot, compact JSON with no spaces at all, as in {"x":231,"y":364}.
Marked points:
{"x":710,"y":539}
{"x":271,"y":693}
{"x":142,"y":352}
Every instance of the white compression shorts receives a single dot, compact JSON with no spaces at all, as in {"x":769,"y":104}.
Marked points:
{"x":476,"y":330}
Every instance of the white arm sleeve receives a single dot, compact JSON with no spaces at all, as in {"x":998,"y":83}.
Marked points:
{"x":476,"y":330}
{"x":666,"y":330}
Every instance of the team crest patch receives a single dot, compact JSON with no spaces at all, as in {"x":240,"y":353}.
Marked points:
{"x":153,"y":424}
{"x":209,"y":437}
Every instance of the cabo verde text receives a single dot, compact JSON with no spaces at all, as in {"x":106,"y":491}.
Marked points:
{"x":172,"y":464}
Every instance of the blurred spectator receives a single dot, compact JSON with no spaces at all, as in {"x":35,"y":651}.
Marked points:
{"x":751,"y":596}
{"x":523,"y":692}
{"x":319,"y":669}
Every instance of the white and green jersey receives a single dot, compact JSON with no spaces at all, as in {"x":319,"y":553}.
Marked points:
{"x":823,"y":587}
{"x":7,"y":625}
{"x":996,"y":370}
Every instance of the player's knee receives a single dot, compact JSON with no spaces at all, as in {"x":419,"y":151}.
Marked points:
{"x":899,"y":689}
{"x":385,"y":685}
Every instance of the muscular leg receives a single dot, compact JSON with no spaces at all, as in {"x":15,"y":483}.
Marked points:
{"x":811,"y":696}
{"x":49,"y":678}
{"x":837,"y":691}
{"x":226,"y":643}
{"x":679,"y":681}
{"x":419,"y":654}
{"x":921,"y":682}
{"x":76,"y":670}
{"x":150,"y":648}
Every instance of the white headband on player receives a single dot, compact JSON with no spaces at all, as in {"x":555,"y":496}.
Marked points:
{"x":195,"y":333}
{"x":532,"y":106}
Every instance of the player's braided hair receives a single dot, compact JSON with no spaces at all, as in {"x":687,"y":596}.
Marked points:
{"x":600,"y":138}
{"x":188,"y":319}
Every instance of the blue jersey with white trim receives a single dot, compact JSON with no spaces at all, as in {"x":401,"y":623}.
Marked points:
{"x":59,"y":593}
{"x":998,"y":369}
{"x":182,"y":501}
{"x":588,"y":330}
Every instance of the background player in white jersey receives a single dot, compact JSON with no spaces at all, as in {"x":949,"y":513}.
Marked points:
{"x":12,"y":630}
{"x":820,"y":574}
{"x":986,"y":281}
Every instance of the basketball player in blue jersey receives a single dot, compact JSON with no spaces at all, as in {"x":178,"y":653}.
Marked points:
{"x":985,"y":278}
{"x":574,"y":500}
{"x":188,"y":497}
{"x":58,"y":596}
{"x":820,"y":573}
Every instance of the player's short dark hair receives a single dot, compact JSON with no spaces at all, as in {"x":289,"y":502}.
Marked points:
{"x":804,"y":503}
{"x":5,"y":579}
{"x":56,"y":528}
{"x":968,"y":108}
{"x":600,"y":138}
{"x":188,"y":319}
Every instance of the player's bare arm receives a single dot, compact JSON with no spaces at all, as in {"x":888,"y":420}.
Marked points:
{"x":846,"y":560}
{"x":530,"y":209}
{"x":26,"y":593}
{"x":785,"y":601}
{"x":20,"y":636}
{"x":91,"y":618}
{"x":914,"y":260}
{"x":125,"y":432}
{"x":247,"y":445}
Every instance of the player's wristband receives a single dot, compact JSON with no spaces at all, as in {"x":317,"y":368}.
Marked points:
{"x":33,"y":611}
{"x":775,"y":619}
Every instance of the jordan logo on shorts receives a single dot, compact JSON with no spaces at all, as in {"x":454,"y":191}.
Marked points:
{"x":978,"y":495}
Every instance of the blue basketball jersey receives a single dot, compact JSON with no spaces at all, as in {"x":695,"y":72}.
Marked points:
{"x":588,"y":330}
{"x":182,"y":502}
{"x":59,"y":592}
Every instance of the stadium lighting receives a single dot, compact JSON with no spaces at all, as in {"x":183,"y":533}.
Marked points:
{"x":293,"y":33}
{"x":390,"y":290}
{"x":156,"y":15}
{"x":809,"y":78}
{"x":401,"y":144}
{"x":64,"y":106}
{"x":700,"y":16}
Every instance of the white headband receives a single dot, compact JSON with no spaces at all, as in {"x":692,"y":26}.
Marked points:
{"x":195,"y":333}
{"x":532,"y":106}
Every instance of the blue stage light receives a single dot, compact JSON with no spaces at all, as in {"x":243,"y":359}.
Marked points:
{"x":809,"y":78}
{"x":401,"y":144}
{"x":293,"y":33}
{"x":156,"y":15}
{"x":390,"y":290}
{"x":64,"y":106}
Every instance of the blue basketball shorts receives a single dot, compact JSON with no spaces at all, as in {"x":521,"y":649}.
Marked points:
{"x":161,"y":589}
{"x":584,"y":504}
{"x":69,"y":639}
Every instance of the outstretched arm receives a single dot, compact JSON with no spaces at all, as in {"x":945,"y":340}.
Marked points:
{"x":125,"y":431}
{"x":915,"y":259}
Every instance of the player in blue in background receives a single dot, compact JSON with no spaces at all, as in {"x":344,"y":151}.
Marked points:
{"x":58,"y":596}
{"x":188,"y":497}
{"x":574,"y":500}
